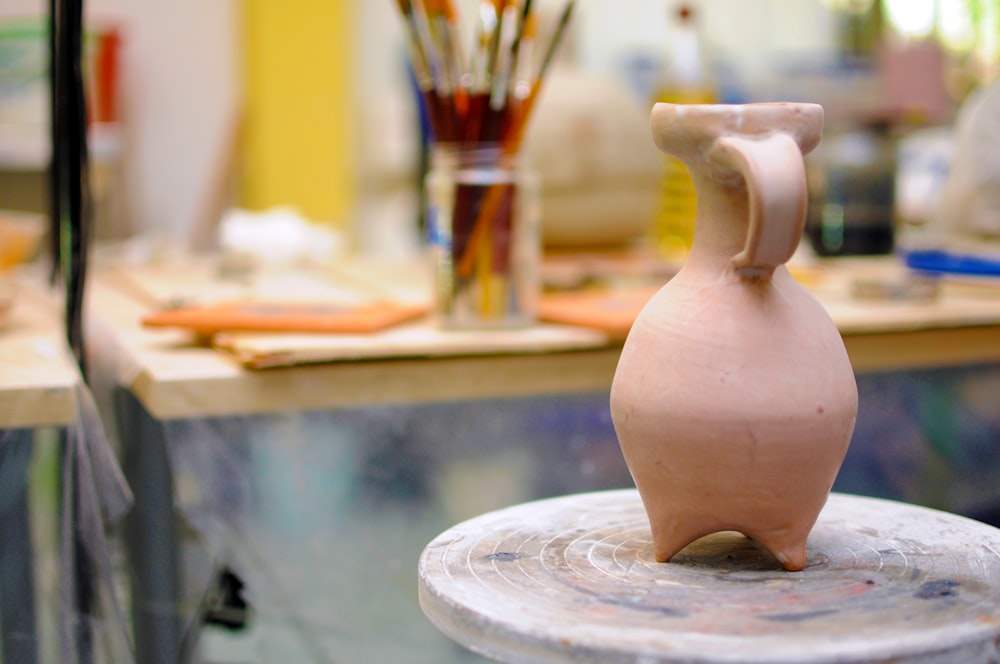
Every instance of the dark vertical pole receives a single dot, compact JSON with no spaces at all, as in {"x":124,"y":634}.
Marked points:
{"x":17,"y":570}
{"x":69,"y":195}
{"x":150,"y":534}
{"x":70,"y":203}
{"x":83,"y":571}
{"x":79,"y":218}
{"x":77,"y":172}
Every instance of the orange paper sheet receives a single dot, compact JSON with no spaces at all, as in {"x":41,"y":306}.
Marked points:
{"x":256,"y":316}
{"x":612,"y":310}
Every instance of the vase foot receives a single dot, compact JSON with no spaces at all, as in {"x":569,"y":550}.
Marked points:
{"x":671,"y":535}
{"x":790,"y":552}
{"x":792,"y":556}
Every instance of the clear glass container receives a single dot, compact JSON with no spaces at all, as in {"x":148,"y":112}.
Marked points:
{"x":852,"y":184}
{"x":482,"y":223}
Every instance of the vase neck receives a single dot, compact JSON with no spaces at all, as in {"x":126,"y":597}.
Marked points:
{"x":721,"y":222}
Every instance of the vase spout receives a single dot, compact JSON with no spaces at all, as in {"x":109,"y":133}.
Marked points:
{"x":759,"y":147}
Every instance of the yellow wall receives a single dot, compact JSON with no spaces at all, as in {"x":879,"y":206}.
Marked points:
{"x":298,"y":128}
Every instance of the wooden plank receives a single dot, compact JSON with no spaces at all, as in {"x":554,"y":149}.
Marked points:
{"x":38,"y":378}
{"x":364,"y":383}
{"x":924,"y":349}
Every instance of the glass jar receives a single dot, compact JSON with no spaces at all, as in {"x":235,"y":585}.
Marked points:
{"x":482,"y":224}
{"x":852,"y":184}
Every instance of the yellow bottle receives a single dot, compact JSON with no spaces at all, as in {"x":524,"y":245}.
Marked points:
{"x":685,"y":80}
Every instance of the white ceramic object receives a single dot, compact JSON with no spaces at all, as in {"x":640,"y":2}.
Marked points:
{"x":600,"y":177}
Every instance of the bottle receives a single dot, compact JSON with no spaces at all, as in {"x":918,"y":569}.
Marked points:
{"x":852,"y":192}
{"x":685,"y":80}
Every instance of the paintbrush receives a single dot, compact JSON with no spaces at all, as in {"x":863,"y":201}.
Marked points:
{"x":495,"y":261}
{"x":420,"y":62}
{"x":437,"y":30}
{"x":421,"y":26}
{"x":479,"y":65}
{"x":455,"y":58}
{"x":502,"y":94}
{"x":523,"y":70}
{"x":497,"y":107}
{"x":557,"y":36}
{"x":522,"y":27}
{"x":494,"y":49}
{"x":418,"y":54}
{"x":518,"y":127}
{"x":442,"y":104}
{"x":512,"y":143}
{"x":479,"y":71}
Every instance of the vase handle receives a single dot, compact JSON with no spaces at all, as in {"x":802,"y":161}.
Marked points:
{"x":773,"y":168}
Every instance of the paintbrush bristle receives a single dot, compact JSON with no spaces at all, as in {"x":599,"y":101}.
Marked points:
{"x":530,"y":26}
{"x":449,"y":10}
{"x":556,"y":37}
{"x":494,"y":66}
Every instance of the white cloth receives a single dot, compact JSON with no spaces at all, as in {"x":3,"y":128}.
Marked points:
{"x":970,"y":201}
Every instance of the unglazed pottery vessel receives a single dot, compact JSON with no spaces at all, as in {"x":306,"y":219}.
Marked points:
{"x":734,"y":400}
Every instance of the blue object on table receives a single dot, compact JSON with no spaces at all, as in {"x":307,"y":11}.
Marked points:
{"x":937,"y":260}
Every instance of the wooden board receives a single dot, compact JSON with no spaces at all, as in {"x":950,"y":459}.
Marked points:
{"x":423,"y":339}
{"x":370,"y":332}
{"x":38,"y":377}
{"x":573,"y":579}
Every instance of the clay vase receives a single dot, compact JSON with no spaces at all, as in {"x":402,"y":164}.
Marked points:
{"x":734,"y":400}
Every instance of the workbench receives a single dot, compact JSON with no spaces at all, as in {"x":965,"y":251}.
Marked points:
{"x":56,"y":596}
{"x":271,"y":471}
{"x":174,"y":378}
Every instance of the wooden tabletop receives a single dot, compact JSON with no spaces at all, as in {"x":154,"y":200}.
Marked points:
{"x":573,"y":579}
{"x":38,"y":378}
{"x":176,"y":377}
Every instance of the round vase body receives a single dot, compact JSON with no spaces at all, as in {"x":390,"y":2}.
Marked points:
{"x":734,"y":400}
